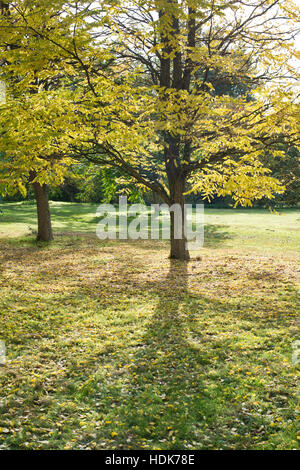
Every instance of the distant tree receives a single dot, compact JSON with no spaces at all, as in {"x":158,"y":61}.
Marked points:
{"x":26,"y":158}
{"x":287,"y":169}
{"x":145,"y":90}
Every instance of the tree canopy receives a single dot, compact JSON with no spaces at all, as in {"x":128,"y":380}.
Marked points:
{"x":181,"y":96}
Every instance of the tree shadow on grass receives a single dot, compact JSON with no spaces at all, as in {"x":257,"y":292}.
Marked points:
{"x":167,"y":404}
{"x":164,"y":364}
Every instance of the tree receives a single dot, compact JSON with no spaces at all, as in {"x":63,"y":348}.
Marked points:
{"x":287,"y":170}
{"x":146,"y":89}
{"x":27,"y":158}
{"x":19,"y":131}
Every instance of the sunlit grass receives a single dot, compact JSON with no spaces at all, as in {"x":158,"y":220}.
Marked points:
{"x":257,"y":229}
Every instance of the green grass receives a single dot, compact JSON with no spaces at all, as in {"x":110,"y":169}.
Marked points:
{"x":248,"y":228}
{"x":112,"y":346}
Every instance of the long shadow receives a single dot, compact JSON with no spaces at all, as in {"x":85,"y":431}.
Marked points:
{"x":161,"y":399}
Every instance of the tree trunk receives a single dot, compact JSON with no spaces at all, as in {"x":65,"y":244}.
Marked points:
{"x":176,"y":179}
{"x":45,"y":233}
{"x":179,"y":248}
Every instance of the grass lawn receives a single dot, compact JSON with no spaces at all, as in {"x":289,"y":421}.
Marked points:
{"x":110,"y":345}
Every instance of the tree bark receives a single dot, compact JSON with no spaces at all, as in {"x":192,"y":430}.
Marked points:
{"x":179,"y":248}
{"x":45,"y":233}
